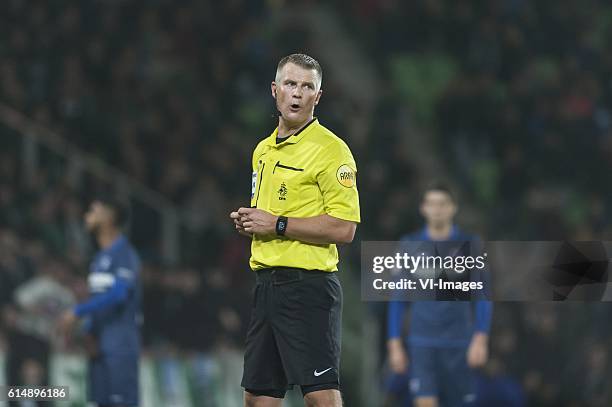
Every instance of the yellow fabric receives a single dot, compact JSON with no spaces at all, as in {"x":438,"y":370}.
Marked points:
{"x":310,"y":173}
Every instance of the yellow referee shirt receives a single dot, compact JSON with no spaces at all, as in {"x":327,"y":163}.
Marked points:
{"x":310,"y":173}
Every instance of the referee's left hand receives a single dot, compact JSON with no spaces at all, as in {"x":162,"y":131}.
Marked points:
{"x":257,"y":221}
{"x":238,"y":224}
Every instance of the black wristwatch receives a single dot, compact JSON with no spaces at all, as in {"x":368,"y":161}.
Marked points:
{"x":281,"y":225}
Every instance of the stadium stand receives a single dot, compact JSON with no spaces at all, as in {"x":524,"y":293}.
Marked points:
{"x":515,"y":97}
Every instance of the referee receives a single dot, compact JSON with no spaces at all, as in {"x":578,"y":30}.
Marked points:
{"x":304,"y":201}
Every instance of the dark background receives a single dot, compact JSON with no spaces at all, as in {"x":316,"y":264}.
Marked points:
{"x":508,"y":99}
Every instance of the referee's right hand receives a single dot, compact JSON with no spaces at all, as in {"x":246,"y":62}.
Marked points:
{"x":398,"y":360}
{"x":238,"y":220}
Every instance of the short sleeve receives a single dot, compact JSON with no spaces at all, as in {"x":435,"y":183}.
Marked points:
{"x":337,"y":180}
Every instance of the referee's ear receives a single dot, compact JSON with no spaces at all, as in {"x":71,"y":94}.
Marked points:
{"x":319,"y":93}
{"x":273,"y":88}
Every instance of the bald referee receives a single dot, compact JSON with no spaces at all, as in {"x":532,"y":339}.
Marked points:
{"x":304,"y":201}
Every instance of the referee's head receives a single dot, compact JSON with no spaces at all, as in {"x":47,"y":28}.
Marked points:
{"x":297,"y":88}
{"x":304,"y":61}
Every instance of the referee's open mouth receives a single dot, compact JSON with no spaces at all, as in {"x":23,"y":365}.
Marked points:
{"x":294,"y":107}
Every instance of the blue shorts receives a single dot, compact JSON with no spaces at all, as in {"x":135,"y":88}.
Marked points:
{"x":113,"y":380}
{"x":443,"y":373}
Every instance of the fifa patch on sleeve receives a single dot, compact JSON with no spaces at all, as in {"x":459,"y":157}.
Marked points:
{"x":253,"y":183}
{"x":346,"y":176}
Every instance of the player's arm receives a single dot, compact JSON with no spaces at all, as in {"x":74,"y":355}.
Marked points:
{"x":116,"y":294}
{"x":484,"y":312}
{"x":398,"y":360}
{"x":396,"y":309}
{"x":478,"y":351}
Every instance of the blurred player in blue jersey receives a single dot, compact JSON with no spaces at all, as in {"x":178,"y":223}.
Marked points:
{"x":112,"y":315}
{"x":447,"y":339}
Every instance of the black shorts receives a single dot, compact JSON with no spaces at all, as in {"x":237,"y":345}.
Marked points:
{"x":295,"y":332}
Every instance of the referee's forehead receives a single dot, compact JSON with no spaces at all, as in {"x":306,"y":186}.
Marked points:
{"x":296,"y":72}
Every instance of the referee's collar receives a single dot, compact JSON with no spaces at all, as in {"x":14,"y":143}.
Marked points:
{"x":295,"y":137}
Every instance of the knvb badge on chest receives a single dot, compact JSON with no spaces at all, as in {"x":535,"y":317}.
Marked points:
{"x":282,"y":192}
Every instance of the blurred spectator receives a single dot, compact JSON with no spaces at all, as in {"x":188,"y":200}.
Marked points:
{"x":30,"y":322}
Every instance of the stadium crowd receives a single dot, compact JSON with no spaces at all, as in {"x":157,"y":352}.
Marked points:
{"x":176,"y":98}
{"x":523,"y":118}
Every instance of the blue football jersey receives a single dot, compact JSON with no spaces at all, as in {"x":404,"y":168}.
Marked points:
{"x":114,"y":310}
{"x":440,"y":323}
